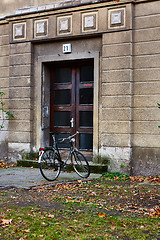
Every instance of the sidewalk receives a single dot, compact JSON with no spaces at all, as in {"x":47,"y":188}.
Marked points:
{"x":23,"y":177}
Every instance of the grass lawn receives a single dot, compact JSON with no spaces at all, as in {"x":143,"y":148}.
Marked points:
{"x":98,"y":209}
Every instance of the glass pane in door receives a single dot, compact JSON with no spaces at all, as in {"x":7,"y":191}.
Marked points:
{"x":62,"y":119}
{"x":62,"y":75}
{"x":62,"y":97}
{"x":86,"y":118}
{"x":86,"y":141}
{"x":86,"y":96}
{"x":86,"y":73}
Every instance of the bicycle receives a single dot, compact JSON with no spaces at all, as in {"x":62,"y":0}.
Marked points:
{"x":51,"y":163}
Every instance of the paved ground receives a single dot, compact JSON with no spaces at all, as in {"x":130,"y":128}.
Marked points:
{"x":22,"y":177}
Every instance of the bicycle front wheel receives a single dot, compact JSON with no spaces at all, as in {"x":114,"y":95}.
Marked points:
{"x":50,"y":166}
{"x":80,"y":164}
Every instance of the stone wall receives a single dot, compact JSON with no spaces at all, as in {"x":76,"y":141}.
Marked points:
{"x":116,"y":109}
{"x":146,"y":138}
{"x":20,"y":95}
{"x":4,"y":84}
{"x":130,"y":93}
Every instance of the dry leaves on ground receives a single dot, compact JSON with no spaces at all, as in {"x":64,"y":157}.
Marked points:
{"x":154,"y":212}
{"x":155,"y":179}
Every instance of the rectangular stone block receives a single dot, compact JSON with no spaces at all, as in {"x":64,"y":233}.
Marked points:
{"x":20,"y":126}
{"x":146,"y":140}
{"x":4,"y":50}
{"x":146,"y":127}
{"x":20,"y":104}
{"x":4,"y":72}
{"x":116,"y":76}
{"x":5,"y":107}
{"x":147,"y":8}
{"x":19,"y":137}
{"x":145,"y":75}
{"x":116,"y":50}
{"x":21,"y":70}
{"x":146,"y":88}
{"x":146,"y":101}
{"x":4,"y":29}
{"x":116,"y":37}
{"x":20,"y":92}
{"x":113,"y":89}
{"x":19,"y":147}
{"x":151,"y":61}
{"x":144,"y":35}
{"x":20,"y":81}
{"x":115,"y":127}
{"x":147,"y":48}
{"x":4,"y":82}
{"x":146,"y":161}
{"x":146,"y":114}
{"x":147,"y":22}
{"x":116,"y":114}
{"x":4,"y":40}
{"x":20,"y":48}
{"x":6,"y":91}
{"x":20,"y":59}
{"x":115,"y":140}
{"x":116,"y":101}
{"x":4,"y":61}
{"x":25,"y":114}
{"x":116,"y":63}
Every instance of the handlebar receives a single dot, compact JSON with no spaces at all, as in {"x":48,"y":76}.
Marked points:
{"x":60,"y":140}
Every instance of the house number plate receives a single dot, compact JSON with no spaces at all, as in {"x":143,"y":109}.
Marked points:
{"x":67,"y":48}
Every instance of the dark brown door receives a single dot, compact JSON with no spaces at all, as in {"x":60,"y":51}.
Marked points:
{"x":72,"y":101}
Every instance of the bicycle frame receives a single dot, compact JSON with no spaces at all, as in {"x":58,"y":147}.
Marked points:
{"x":56,"y":149}
{"x":51,"y":163}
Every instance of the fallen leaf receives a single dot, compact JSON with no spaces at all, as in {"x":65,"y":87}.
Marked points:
{"x":51,"y":215}
{"x":87,"y":225}
{"x":113,"y":227}
{"x":79,"y":181}
{"x":102,"y":215}
{"x":5,"y":221}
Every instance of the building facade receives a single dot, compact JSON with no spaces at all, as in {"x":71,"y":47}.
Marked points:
{"x":91,"y":66}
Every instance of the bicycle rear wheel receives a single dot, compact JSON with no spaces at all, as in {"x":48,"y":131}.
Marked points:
{"x":50,"y":165}
{"x":80,"y":164}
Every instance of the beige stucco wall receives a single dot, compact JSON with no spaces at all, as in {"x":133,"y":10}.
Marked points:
{"x":128,"y":78}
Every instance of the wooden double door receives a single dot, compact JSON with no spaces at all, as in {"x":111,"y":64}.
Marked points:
{"x":72,"y":85}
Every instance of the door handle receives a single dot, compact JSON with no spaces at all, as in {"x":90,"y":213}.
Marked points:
{"x":72,"y":122}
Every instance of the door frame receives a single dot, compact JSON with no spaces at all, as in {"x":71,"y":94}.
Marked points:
{"x":44,"y":78}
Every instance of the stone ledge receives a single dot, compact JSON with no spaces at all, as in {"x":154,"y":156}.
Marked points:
{"x":94,"y":167}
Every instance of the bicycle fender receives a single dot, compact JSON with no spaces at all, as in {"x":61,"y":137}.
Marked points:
{"x":40,"y":155}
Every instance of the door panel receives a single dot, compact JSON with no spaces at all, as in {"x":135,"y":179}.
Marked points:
{"x":72,"y":101}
